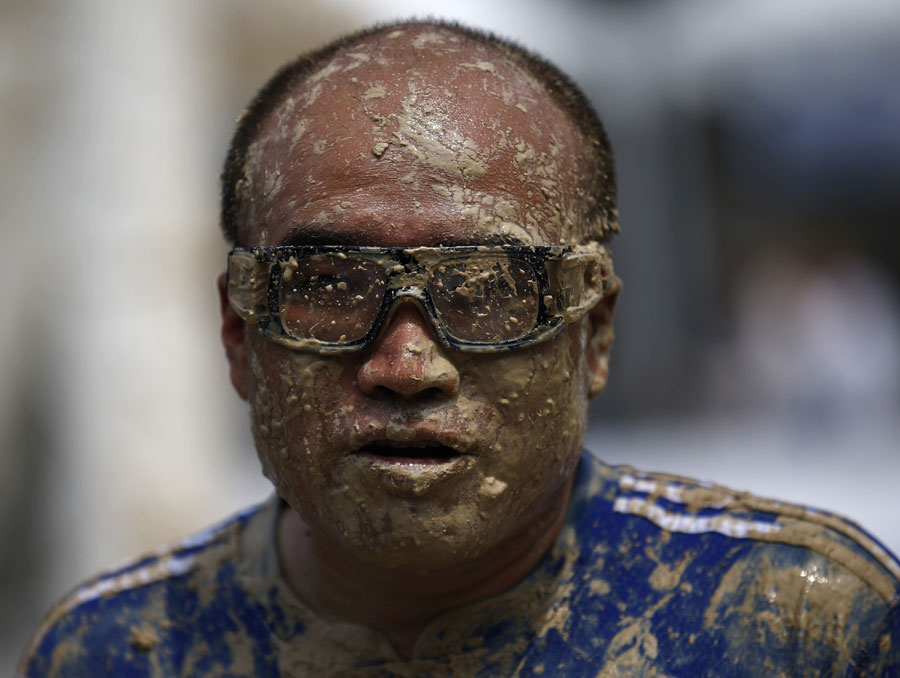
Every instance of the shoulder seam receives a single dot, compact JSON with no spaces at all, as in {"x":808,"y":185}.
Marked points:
{"x":164,"y":567}
{"x":640,"y":494}
{"x":166,"y":562}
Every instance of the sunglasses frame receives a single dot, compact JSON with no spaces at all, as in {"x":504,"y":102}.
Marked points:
{"x":403,"y":265}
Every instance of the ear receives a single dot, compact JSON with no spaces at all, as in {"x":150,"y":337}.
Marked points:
{"x":233,"y":340}
{"x":600,"y":339}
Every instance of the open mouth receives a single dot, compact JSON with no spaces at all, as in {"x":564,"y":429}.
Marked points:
{"x":422,"y":452}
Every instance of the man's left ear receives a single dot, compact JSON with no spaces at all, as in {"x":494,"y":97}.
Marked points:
{"x":600,"y":339}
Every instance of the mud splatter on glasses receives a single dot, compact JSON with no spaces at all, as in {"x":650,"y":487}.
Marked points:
{"x":335,"y":298}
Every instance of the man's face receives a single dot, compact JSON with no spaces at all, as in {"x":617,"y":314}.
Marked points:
{"x":408,"y":452}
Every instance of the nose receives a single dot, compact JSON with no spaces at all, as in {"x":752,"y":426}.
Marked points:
{"x":407,"y":358}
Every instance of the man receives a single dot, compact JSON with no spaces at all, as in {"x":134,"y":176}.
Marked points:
{"x":417,"y":309}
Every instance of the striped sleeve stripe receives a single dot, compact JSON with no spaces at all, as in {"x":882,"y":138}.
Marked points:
{"x":787,"y":527}
{"x":167,"y":562}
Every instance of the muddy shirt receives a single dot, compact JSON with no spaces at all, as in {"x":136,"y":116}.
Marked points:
{"x":652,"y":575}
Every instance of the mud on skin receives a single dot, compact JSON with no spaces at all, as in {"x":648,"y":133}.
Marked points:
{"x":358,"y":155}
{"x":439,"y":512}
{"x":507,"y":162}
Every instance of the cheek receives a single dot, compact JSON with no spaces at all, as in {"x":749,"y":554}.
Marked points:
{"x":289,"y":393}
{"x":534,"y":401}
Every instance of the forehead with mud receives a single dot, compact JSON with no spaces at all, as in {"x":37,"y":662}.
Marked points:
{"x":418,"y":123}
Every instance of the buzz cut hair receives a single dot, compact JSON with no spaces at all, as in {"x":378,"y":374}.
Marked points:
{"x":599,"y":200}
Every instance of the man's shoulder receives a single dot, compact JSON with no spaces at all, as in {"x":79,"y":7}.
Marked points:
{"x":698,"y":570}
{"x":108,"y":625}
{"x":683,"y":506}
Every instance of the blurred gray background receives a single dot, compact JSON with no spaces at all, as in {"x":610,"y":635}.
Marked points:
{"x":758,"y":334}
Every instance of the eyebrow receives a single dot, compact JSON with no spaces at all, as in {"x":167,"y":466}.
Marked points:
{"x":315,"y":234}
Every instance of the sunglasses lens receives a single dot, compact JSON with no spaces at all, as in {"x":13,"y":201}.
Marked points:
{"x":489,"y":298}
{"x":330,"y":297}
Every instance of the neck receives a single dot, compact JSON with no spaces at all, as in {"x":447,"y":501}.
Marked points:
{"x":400,"y":602}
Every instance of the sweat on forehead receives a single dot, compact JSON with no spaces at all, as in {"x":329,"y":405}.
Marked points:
{"x":411,"y":117}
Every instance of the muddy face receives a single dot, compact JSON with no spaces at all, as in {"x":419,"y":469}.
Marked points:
{"x":408,"y":452}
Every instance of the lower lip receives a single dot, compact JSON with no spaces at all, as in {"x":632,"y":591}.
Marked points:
{"x":414,"y":474}
{"x":407,"y":461}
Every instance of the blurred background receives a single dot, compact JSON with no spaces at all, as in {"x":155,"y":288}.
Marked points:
{"x":758,"y":334}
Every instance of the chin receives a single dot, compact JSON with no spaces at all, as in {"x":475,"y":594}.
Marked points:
{"x":393,"y":533}
{"x":466,"y":521}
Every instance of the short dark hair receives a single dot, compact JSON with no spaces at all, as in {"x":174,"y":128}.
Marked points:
{"x":599,"y":201}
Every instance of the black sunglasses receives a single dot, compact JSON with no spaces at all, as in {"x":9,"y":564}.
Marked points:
{"x":335,"y":298}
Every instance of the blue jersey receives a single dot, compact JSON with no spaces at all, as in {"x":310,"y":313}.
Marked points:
{"x":651,"y":575}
